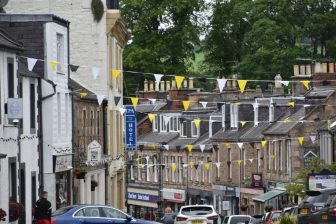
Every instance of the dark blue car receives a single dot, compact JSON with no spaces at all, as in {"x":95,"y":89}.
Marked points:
{"x":82,"y":214}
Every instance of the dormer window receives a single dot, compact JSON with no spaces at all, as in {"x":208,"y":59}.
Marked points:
{"x":183,"y":132}
{"x":194,"y":130}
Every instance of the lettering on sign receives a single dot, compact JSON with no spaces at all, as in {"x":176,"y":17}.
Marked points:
{"x":62,"y":163}
{"x":142,"y":197}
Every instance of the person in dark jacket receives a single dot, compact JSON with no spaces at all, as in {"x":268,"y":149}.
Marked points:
{"x":43,"y":210}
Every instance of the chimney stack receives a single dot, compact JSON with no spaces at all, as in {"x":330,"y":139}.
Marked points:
{"x":277,"y":81}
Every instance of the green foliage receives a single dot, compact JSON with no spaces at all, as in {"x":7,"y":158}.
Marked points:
{"x":97,"y":8}
{"x":287,"y":219}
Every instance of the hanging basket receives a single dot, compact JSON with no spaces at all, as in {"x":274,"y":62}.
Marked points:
{"x":81,"y":175}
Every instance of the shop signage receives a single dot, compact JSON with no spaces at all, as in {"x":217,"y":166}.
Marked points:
{"x":226,"y":205}
{"x":130,"y":129}
{"x":251,"y":191}
{"x":257,"y":181}
{"x":219,"y":187}
{"x":142,"y":197}
{"x":14,"y":108}
{"x":173,"y":194}
{"x":324,"y":179}
{"x":62,"y":163}
{"x":94,"y":152}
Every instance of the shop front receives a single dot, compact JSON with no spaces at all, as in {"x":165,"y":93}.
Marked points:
{"x":248,"y":205}
{"x":142,"y":203}
{"x":225,"y":200}
{"x":62,"y":168}
{"x":173,"y":198}
{"x":199,"y":197}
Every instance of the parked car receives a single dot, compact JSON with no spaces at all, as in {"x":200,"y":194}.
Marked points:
{"x":196,"y":214}
{"x":258,"y":218}
{"x":290,"y":211}
{"x":83,"y":214}
{"x":272,"y":216}
{"x":240,"y":219}
{"x":313,"y":202}
{"x":327,"y":214}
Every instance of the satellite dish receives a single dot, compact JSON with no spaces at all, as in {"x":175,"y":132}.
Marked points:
{"x":3,"y":3}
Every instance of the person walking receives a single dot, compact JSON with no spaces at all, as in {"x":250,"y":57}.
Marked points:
{"x":43,"y":210}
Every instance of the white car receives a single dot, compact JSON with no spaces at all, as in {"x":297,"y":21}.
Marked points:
{"x":239,"y":219}
{"x":196,"y":214}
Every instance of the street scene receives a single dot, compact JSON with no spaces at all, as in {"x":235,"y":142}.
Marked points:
{"x":173,"y":112}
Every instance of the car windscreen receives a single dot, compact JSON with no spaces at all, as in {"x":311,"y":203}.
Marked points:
{"x":239,"y":219}
{"x":275,"y":216}
{"x":315,"y":199}
{"x":62,"y":211}
{"x":199,"y":210}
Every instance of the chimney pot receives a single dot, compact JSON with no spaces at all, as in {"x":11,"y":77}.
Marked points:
{"x":146,"y":85}
{"x":162,"y":86}
{"x":296,"y":70}
{"x":167,"y":85}
{"x":185,"y":83}
{"x":277,"y":81}
{"x":191,"y":83}
{"x":151,"y":86}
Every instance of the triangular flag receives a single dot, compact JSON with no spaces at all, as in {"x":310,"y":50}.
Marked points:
{"x":115,"y":73}
{"x":100,"y":99}
{"x":31,"y":63}
{"x":186,"y":104}
{"x":158,"y":79}
{"x":221,"y":84}
{"x":166,"y":120}
{"x":263,"y":143}
{"x":207,"y":165}
{"x":272,"y":157}
{"x":251,"y":160}
{"x":166,"y":147}
{"x":218,"y":165}
{"x":237,"y":104}
{"x":95,"y":72}
{"x":152,"y":101}
{"x":287,"y":121}
{"x":305,"y":83}
{"x":300,"y":140}
{"x":135,"y":101}
{"x":313,"y":138}
{"x":191,"y":164}
{"x":122,"y":110}
{"x":190,"y":147}
{"x":179,"y":80}
{"x":239,"y":162}
{"x":243,"y":123}
{"x":202,"y":147}
{"x":240,"y":144}
{"x":117,"y":100}
{"x":201,"y":163}
{"x":197,"y":122}
{"x":329,"y":123}
{"x":196,"y":166}
{"x":83,"y":94}
{"x":151,"y":117}
{"x":53,"y":64}
{"x":292,"y":104}
{"x":204,"y":104}
{"x":73,"y":68}
{"x":285,"y":83}
{"x":227,"y":144}
{"x":173,"y":165}
{"x":242,"y":85}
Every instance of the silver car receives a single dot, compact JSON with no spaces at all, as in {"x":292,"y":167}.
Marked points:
{"x":196,"y":214}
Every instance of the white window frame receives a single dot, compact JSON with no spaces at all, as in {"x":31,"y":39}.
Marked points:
{"x":223,"y":116}
{"x":148,"y":179}
{"x":234,"y":116}
{"x":174,"y":121}
{"x":166,"y":168}
{"x":258,"y":160}
{"x":156,"y":121}
{"x":163,"y":126}
{"x":139,"y":169}
{"x":193,"y":128}
{"x":280,"y":155}
{"x":288,"y":149}
{"x":60,"y":52}
{"x":218,"y":169}
{"x":173,"y":172}
{"x":155,"y":168}
{"x":183,"y":128}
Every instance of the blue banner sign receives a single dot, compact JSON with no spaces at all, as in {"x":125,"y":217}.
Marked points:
{"x":130,"y":129}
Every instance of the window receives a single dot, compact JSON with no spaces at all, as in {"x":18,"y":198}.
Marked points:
{"x":89,"y":212}
{"x":112,"y":4}
{"x":275,"y":155}
{"x":59,"y":109}
{"x":132,"y":168}
{"x":172,"y":171}
{"x":269,"y":155}
{"x":163,"y":124}
{"x":194,"y":130}
{"x":60,"y":52}
{"x":147,"y":169}
{"x":67,"y":108}
{"x":166,"y":168}
{"x":197,"y":170}
{"x":32,"y":106}
{"x":10,"y":77}
{"x":180,"y":169}
{"x":209,"y":171}
{"x":155,"y":167}
{"x":12,"y":178}
{"x":139,"y":168}
{"x":223,"y":117}
{"x":156,"y":121}
{"x":230,"y":164}
{"x":190,"y":169}
{"x":184,"y":129}
{"x":174,"y":124}
{"x":84,"y":122}
{"x":113,"y":213}
{"x":280,"y":155}
{"x":217,"y":160}
{"x":288,"y":149}
{"x":244,"y":164}
{"x":258,"y":161}
{"x":256,"y":115}
{"x":202,"y":169}
{"x":234,"y":116}
{"x":98,"y":122}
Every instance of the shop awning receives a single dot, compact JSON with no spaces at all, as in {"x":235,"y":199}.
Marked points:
{"x":268,"y":195}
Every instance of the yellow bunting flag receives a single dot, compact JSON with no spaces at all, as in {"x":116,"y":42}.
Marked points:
{"x":263,"y":143}
{"x":237,"y":104}
{"x":287,"y":121}
{"x":243,"y":123}
{"x":135,"y":101}
{"x":197,"y":122}
{"x":329,"y":123}
{"x":140,"y":165}
{"x":151,"y":117}
{"x":292,"y":104}
{"x":153,"y":146}
{"x":242,"y":85}
{"x":173,"y":165}
{"x":115,"y":73}
{"x":272,"y":157}
{"x":239,"y":162}
{"x":191,"y":164}
{"x":53,"y":64}
{"x":227,"y":144}
{"x":190,"y":147}
{"x":207,"y":165}
{"x":186,"y":104}
{"x":179,"y":80}
{"x":300,"y":140}
{"x":137,"y":159}
{"x":305,"y":83}
{"x":83,"y":94}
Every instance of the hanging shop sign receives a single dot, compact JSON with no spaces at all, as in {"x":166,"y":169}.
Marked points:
{"x":130,"y":129}
{"x":62,"y":163}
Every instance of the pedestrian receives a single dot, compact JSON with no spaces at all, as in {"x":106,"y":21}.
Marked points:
{"x":43,"y":210}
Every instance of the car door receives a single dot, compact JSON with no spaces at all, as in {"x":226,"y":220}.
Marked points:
{"x":115,"y":216}
{"x":90,"y":215}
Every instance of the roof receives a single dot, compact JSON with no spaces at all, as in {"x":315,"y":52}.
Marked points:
{"x":24,"y":17}
{"x":6,"y":42}
{"x":325,"y":127}
{"x":255,"y":133}
{"x":281,"y":128}
{"x":231,"y":135}
{"x":24,"y":71}
{"x":157,"y":137}
{"x":76,"y":87}
{"x":268,"y":195}
{"x":145,"y":108}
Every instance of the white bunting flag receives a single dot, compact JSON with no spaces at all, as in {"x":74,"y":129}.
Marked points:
{"x":218,"y":165}
{"x":122,"y":110}
{"x":152,"y":101}
{"x":100,"y":99}
{"x":201,"y":163}
{"x":185,"y":166}
{"x":31,"y":63}
{"x":221,"y":84}
{"x":95,"y":72}
{"x":204,"y":104}
{"x":251,"y":160}
{"x":313,"y":138}
{"x":306,"y":105}
{"x":166,"y":120}
{"x":158,"y":78}
{"x":202,"y":147}
{"x":285,"y":83}
{"x":240,"y":144}
{"x":166,"y":147}
{"x":147,"y":159}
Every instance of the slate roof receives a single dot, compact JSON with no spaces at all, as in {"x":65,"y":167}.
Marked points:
{"x":255,"y":133}
{"x":231,"y":135}
{"x":9,"y":43}
{"x":281,"y":128}
{"x":145,"y":108}
{"x":75,"y":86}
{"x":24,"y":71}
{"x":157,"y":137}
{"x":324,"y":127}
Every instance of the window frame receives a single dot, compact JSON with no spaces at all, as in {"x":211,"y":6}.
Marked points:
{"x":193,"y":130}
{"x":183,"y":128}
{"x":60,"y":53}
